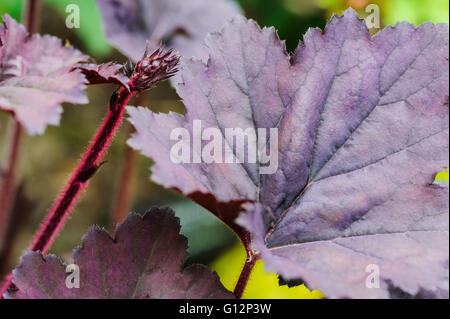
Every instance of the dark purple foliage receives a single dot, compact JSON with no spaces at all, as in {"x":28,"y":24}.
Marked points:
{"x":108,"y":73}
{"x":363,"y":129}
{"x":36,"y":76}
{"x":144,"y":260}
{"x":180,"y":24}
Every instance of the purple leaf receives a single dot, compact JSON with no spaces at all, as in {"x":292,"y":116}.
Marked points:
{"x":104,"y":73}
{"x":362,"y":130}
{"x":36,"y":77}
{"x":145,"y":260}
{"x":181,"y":24}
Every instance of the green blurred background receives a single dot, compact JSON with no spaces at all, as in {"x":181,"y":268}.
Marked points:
{"x":47,"y":160}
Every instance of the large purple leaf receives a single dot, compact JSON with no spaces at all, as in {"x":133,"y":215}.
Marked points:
{"x":363,"y":129}
{"x":181,"y":24}
{"x":144,"y":261}
{"x":36,"y":76}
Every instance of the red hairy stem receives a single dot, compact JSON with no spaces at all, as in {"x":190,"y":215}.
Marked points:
{"x":250,"y":262}
{"x":244,"y":276}
{"x":89,"y":164}
{"x":85,"y":170}
{"x":8,"y":187}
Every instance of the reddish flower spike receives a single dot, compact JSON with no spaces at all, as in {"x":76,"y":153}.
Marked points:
{"x":152,"y":68}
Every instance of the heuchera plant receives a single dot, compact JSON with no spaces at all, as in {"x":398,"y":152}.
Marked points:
{"x":363,"y":130}
{"x":143,"y":261}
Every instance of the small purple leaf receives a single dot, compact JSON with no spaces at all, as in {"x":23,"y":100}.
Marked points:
{"x":104,"y":73}
{"x":145,"y":260}
{"x":36,"y":76}
{"x":180,"y":24}
{"x":362,"y":130}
